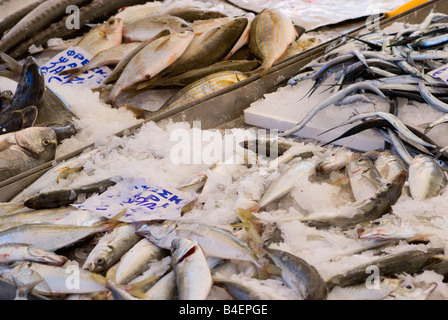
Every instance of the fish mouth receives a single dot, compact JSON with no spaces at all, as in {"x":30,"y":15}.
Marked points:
{"x":364,"y":234}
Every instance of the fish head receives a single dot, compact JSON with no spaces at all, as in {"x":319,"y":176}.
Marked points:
{"x":48,"y":257}
{"x":177,"y":24}
{"x":98,"y":262}
{"x":113,"y":30}
{"x":39,"y":141}
{"x":410,"y":291}
{"x":182,"y":248}
{"x":335,"y":161}
{"x":383,"y":228}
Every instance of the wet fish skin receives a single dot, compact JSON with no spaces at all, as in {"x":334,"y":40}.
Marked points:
{"x":54,"y":174}
{"x":191,"y":14}
{"x":96,"y":10}
{"x":111,"y":56}
{"x":334,"y":162}
{"x":49,"y":236}
{"x":193,"y":276}
{"x":22,"y":252}
{"x":34,"y":150}
{"x":208,"y":48}
{"x":16,"y":120}
{"x":387,"y":228}
{"x":65,"y":197}
{"x":107,"y":35}
{"x":286,"y":181}
{"x":13,"y":18}
{"x":136,"y":12}
{"x":426,"y":178}
{"x":300,"y":276}
{"x":111,"y":248}
{"x":191,"y":76}
{"x":146,"y":29}
{"x":270,"y":36}
{"x":5,"y":100}
{"x":30,"y":86}
{"x":298,"y":47}
{"x":215,"y":242}
{"x":151,"y":60}
{"x":37,"y":19}
{"x":137,"y":259}
{"x":409,"y":262}
{"x":201,"y":88}
{"x":371,"y":209}
{"x":364,"y":178}
{"x":54,"y":279}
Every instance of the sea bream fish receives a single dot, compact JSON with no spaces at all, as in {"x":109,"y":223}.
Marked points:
{"x":36,"y":145}
{"x":210,"y":47}
{"x":105,"y":36}
{"x":148,"y":28}
{"x":201,"y":88}
{"x":270,"y":36}
{"x":111,"y":56}
{"x":151,"y":60}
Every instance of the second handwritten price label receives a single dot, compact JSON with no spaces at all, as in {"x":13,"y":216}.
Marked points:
{"x":142,"y":202}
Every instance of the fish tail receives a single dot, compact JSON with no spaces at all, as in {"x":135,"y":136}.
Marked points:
{"x":136,"y":290}
{"x":263,"y":70}
{"x":426,"y":126}
{"x":114,"y":221}
{"x":253,"y":229}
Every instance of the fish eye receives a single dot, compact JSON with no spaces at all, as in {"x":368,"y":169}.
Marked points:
{"x":376,"y":223}
{"x":409,"y":287}
{"x":46,"y":142}
{"x":100,"y":261}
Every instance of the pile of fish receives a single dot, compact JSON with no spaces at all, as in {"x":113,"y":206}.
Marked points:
{"x":149,"y":44}
{"x":232,"y":241}
{"x":201,"y":52}
{"x":34,"y":120}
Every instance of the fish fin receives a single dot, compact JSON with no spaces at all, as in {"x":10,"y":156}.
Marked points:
{"x":341,"y":181}
{"x":138,"y":112}
{"x":263,"y":70}
{"x":250,"y":224}
{"x":425,"y":126}
{"x":135,"y":289}
{"x":13,"y":64}
{"x":419,"y":237}
{"x":23,"y":292}
{"x":113,"y":222}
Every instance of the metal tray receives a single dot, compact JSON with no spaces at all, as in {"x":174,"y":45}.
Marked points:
{"x":228,"y":104}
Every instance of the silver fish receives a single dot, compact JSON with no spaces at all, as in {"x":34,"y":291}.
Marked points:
{"x":110,"y":248}
{"x":23,"y":252}
{"x":54,"y":279}
{"x":426,"y":178}
{"x":300,"y":276}
{"x":193,"y":276}
{"x":215,"y":242}
{"x":137,"y":260}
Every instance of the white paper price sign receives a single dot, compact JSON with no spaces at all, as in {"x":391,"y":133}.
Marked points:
{"x":142,"y":202}
{"x":71,"y":58}
{"x":441,"y":73}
